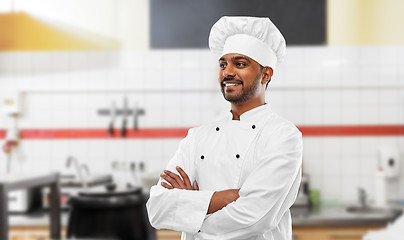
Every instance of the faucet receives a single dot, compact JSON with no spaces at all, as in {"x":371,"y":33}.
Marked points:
{"x":362,"y":197}
{"x":80,"y":175}
{"x":86,"y":168}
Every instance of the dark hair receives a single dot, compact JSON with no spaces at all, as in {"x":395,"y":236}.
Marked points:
{"x":266,"y":86}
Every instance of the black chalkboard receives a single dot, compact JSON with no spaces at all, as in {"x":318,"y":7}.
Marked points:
{"x":186,"y":23}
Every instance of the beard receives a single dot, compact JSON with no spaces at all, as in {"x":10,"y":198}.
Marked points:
{"x":246,"y":92}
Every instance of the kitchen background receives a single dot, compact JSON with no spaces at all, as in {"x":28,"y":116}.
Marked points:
{"x":346,"y":96}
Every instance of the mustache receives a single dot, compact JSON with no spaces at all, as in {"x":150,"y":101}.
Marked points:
{"x":230,"y":79}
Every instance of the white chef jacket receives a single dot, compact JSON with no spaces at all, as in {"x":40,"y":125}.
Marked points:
{"x":261,"y":154}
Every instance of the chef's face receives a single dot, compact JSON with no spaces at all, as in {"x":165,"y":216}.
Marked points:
{"x":240,"y":78}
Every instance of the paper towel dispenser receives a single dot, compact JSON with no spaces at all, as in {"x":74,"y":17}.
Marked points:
{"x":389,"y":160}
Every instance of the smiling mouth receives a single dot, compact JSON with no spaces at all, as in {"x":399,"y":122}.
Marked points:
{"x":230,"y":84}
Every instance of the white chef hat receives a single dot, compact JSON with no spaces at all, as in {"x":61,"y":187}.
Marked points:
{"x":255,"y":37}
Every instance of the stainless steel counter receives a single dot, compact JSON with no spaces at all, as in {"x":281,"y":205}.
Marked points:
{"x":35,"y":219}
{"x":339,"y":216}
{"x":324,"y":216}
{"x":14,"y":182}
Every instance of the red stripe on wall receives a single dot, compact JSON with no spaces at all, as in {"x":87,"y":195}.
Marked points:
{"x":103,"y":133}
{"x":352,"y":130}
{"x":308,"y":131}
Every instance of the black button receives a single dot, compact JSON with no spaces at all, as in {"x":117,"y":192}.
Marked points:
{"x":202,"y":157}
{"x":217,"y":128}
{"x":238,"y":156}
{"x":253,"y":126}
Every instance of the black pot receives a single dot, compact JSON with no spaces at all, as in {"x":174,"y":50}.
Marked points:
{"x":110,"y":214}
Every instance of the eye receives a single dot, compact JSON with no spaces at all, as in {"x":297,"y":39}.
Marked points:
{"x":222,"y":65}
{"x":241,"y":64}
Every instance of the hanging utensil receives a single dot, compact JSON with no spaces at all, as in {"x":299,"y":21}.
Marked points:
{"x":111,"y":129}
{"x":136,"y":113}
{"x":125,"y":116}
{"x":135,"y":117}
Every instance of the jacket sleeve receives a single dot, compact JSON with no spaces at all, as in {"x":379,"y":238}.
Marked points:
{"x":177,"y":209}
{"x":268,"y":192}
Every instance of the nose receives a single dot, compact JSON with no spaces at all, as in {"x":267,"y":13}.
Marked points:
{"x":229,"y":71}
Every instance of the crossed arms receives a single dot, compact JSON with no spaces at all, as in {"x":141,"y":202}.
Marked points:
{"x":260,"y":203}
{"x":219,"y":200}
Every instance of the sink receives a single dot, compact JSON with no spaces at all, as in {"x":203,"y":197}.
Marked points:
{"x":92,"y":180}
{"x":370,"y":210}
{"x":360,"y":209}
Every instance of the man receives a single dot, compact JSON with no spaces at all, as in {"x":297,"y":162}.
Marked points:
{"x":235,"y":178}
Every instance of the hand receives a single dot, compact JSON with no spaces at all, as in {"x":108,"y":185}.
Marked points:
{"x":221,"y":199}
{"x":176,"y":181}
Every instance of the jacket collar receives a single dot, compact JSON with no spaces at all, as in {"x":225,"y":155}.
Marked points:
{"x":253,"y":114}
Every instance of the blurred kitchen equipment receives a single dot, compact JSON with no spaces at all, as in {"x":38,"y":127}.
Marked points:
{"x":10,"y":183}
{"x":135,"y":116}
{"x":11,"y":106}
{"x":91,"y":180}
{"x":79,"y":173}
{"x":11,"y":141}
{"x":314,"y":196}
{"x":389,"y":160}
{"x":125,"y":116}
{"x":10,"y":145}
{"x":111,"y":129}
{"x":362,"y":195}
{"x":110,"y":214}
{"x":363,"y":206}
{"x":71,"y":185}
{"x":380,"y":189}
{"x":141,"y":168}
{"x":19,"y":201}
{"x":24,"y":200}
{"x":135,"y":176}
{"x":372,"y":209}
{"x":302,"y":199}
{"x":11,"y":102}
{"x":136,"y":113}
{"x":86,"y":169}
{"x":142,"y":178}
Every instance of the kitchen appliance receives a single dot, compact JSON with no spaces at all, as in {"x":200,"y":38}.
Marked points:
{"x":71,"y":185}
{"x":389,"y":161}
{"x":24,"y":200}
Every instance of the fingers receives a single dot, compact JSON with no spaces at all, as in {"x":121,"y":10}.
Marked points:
{"x":176,"y":181}
{"x":168,"y":186}
{"x":170,"y":180}
{"x":180,"y":184}
{"x":196,"y":187}
{"x":185,"y":178}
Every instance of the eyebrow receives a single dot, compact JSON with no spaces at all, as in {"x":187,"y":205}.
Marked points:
{"x":241,"y":58}
{"x":236,"y":58}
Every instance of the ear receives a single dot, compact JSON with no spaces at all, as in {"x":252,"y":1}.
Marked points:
{"x":267,"y":73}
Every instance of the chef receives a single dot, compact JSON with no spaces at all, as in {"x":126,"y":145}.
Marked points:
{"x":235,"y":178}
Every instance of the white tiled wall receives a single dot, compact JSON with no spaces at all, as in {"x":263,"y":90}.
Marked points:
{"x":177,"y":88}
